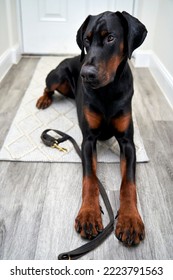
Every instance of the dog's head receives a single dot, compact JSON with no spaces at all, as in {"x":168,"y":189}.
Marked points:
{"x":107,"y":39}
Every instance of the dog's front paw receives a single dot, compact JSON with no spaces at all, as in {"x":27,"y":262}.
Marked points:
{"x":43,"y":102}
{"x":130,"y":228}
{"x":88,"y":222}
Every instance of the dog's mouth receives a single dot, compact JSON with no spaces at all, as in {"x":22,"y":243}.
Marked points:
{"x":95,"y":83}
{"x":92,"y":84}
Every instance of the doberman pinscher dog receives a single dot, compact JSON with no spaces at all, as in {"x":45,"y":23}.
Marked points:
{"x":101,"y":82}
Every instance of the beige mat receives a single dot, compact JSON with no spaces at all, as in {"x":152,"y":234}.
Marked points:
{"x":23,"y":141}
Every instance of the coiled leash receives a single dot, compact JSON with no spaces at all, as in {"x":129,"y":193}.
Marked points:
{"x":50,"y":141}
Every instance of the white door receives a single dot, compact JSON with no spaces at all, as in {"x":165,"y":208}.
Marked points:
{"x":50,"y":26}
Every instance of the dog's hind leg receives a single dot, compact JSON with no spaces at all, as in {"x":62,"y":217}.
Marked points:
{"x":56,"y":80}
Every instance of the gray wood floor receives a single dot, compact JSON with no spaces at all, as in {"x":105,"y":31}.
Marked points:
{"x":39,"y":201}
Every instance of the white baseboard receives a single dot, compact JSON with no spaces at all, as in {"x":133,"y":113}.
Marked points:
{"x":158,"y":70}
{"x":162,"y":77}
{"x":141,"y":58}
{"x":16,"y":54}
{"x":8,"y":58}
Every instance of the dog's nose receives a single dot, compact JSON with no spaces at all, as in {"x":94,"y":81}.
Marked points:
{"x":88,"y":73}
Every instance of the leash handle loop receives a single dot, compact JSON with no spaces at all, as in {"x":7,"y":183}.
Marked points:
{"x":84,"y":249}
{"x":53,"y":142}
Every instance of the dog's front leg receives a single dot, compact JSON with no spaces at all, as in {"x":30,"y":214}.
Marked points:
{"x":88,"y":221}
{"x":129,"y":228}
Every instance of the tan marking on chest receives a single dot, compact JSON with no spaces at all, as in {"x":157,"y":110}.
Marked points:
{"x":93,"y":119}
{"x":121,"y":123}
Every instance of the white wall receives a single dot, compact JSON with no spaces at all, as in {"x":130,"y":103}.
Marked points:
{"x":3,"y":28}
{"x":146,"y":12}
{"x":156,"y":52}
{"x":9,"y":36}
{"x":163,"y":36}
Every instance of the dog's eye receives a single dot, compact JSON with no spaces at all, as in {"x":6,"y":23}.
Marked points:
{"x":110,"y":38}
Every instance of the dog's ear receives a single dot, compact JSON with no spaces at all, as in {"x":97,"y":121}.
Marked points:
{"x":136,"y":32}
{"x":79,"y":36}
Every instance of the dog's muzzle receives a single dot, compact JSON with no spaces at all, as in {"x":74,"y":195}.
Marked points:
{"x":89,"y":76}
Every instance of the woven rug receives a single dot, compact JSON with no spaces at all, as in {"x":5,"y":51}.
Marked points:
{"x":23,"y":142}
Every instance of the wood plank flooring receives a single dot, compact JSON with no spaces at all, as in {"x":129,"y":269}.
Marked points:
{"x":39,"y":201}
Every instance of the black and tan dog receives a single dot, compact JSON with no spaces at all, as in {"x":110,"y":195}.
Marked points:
{"x":102,"y":85}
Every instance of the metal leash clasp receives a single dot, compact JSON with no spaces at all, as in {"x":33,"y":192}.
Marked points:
{"x":56,"y":145}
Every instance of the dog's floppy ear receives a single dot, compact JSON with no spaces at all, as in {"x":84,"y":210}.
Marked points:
{"x":79,"y":36}
{"x":136,"y":32}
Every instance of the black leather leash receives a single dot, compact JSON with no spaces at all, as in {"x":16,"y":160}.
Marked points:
{"x":50,"y":141}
